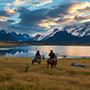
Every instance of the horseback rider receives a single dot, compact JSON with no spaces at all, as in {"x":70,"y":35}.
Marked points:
{"x":37,"y":55}
{"x":52,"y":56}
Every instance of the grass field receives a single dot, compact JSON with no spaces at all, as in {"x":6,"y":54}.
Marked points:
{"x":6,"y":44}
{"x":20,"y":74}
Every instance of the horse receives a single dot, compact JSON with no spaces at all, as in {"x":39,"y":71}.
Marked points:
{"x":51,"y":62}
{"x":38,"y":60}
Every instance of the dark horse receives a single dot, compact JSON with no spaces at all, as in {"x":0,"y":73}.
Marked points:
{"x":51,"y":62}
{"x":38,"y":60}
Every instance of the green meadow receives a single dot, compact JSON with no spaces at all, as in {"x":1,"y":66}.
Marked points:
{"x":20,"y":74}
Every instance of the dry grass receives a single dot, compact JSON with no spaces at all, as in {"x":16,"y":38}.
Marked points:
{"x":2,"y":44}
{"x":8,"y":43}
{"x":20,"y":74}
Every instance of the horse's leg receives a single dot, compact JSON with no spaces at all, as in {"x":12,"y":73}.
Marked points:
{"x":39,"y":62}
{"x":55,"y":65}
{"x":56,"y":61}
{"x":51,"y":65}
{"x":32,"y":62}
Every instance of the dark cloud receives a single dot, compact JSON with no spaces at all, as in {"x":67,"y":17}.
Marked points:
{"x":29,"y":21}
{"x":31,"y":18}
{"x":10,"y":21}
{"x":30,"y":30}
{"x":81,"y":18}
{"x":60,"y":10}
{"x":4,"y":13}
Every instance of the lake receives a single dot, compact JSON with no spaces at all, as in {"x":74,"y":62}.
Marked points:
{"x":60,"y":51}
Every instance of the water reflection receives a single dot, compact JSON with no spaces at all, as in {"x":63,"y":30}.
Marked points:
{"x":61,"y":51}
{"x":13,"y":51}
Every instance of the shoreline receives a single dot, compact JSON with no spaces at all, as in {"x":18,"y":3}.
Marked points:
{"x":8,"y":44}
{"x":47,"y":57}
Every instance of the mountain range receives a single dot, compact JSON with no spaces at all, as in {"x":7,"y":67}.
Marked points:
{"x":79,"y":30}
{"x":70,"y":33}
{"x":12,"y":36}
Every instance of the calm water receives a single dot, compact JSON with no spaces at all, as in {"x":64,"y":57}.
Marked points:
{"x":60,"y":51}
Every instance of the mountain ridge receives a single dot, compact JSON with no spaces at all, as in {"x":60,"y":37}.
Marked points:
{"x":12,"y":36}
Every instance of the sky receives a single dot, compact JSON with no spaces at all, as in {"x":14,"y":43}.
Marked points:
{"x":42,"y":16}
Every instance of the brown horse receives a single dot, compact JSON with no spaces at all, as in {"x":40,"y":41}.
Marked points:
{"x":51,"y":62}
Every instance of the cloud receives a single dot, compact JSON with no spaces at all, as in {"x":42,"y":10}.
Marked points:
{"x":10,"y":11}
{"x":32,"y":18}
{"x":83,"y":18}
{"x":66,"y":13}
{"x":7,"y":13}
{"x":8,"y":4}
{"x":65,"y":21}
{"x":4,"y":25}
{"x":78,"y":6}
{"x":10,"y":21}
{"x":68,"y":8}
{"x":43,"y":20}
{"x":31,"y":3}
{"x":28,"y":24}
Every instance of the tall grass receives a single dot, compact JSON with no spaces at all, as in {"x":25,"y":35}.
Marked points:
{"x":20,"y":74}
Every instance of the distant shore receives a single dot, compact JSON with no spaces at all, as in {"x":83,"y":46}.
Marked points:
{"x":10,"y":43}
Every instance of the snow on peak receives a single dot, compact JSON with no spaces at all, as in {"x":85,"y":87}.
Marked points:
{"x":79,"y":30}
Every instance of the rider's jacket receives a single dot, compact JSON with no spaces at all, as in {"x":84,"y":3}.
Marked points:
{"x":38,"y":56}
{"x":52,"y":55}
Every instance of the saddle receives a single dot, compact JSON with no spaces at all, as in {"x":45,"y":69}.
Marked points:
{"x":37,"y":59}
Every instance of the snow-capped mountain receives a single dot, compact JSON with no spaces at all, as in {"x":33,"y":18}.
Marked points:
{"x":38,"y":37}
{"x":50,"y":35}
{"x":4,"y":36}
{"x":61,"y":36}
{"x":71,"y":33}
{"x":21,"y":37}
{"x":13,"y":36}
{"x":79,"y":30}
